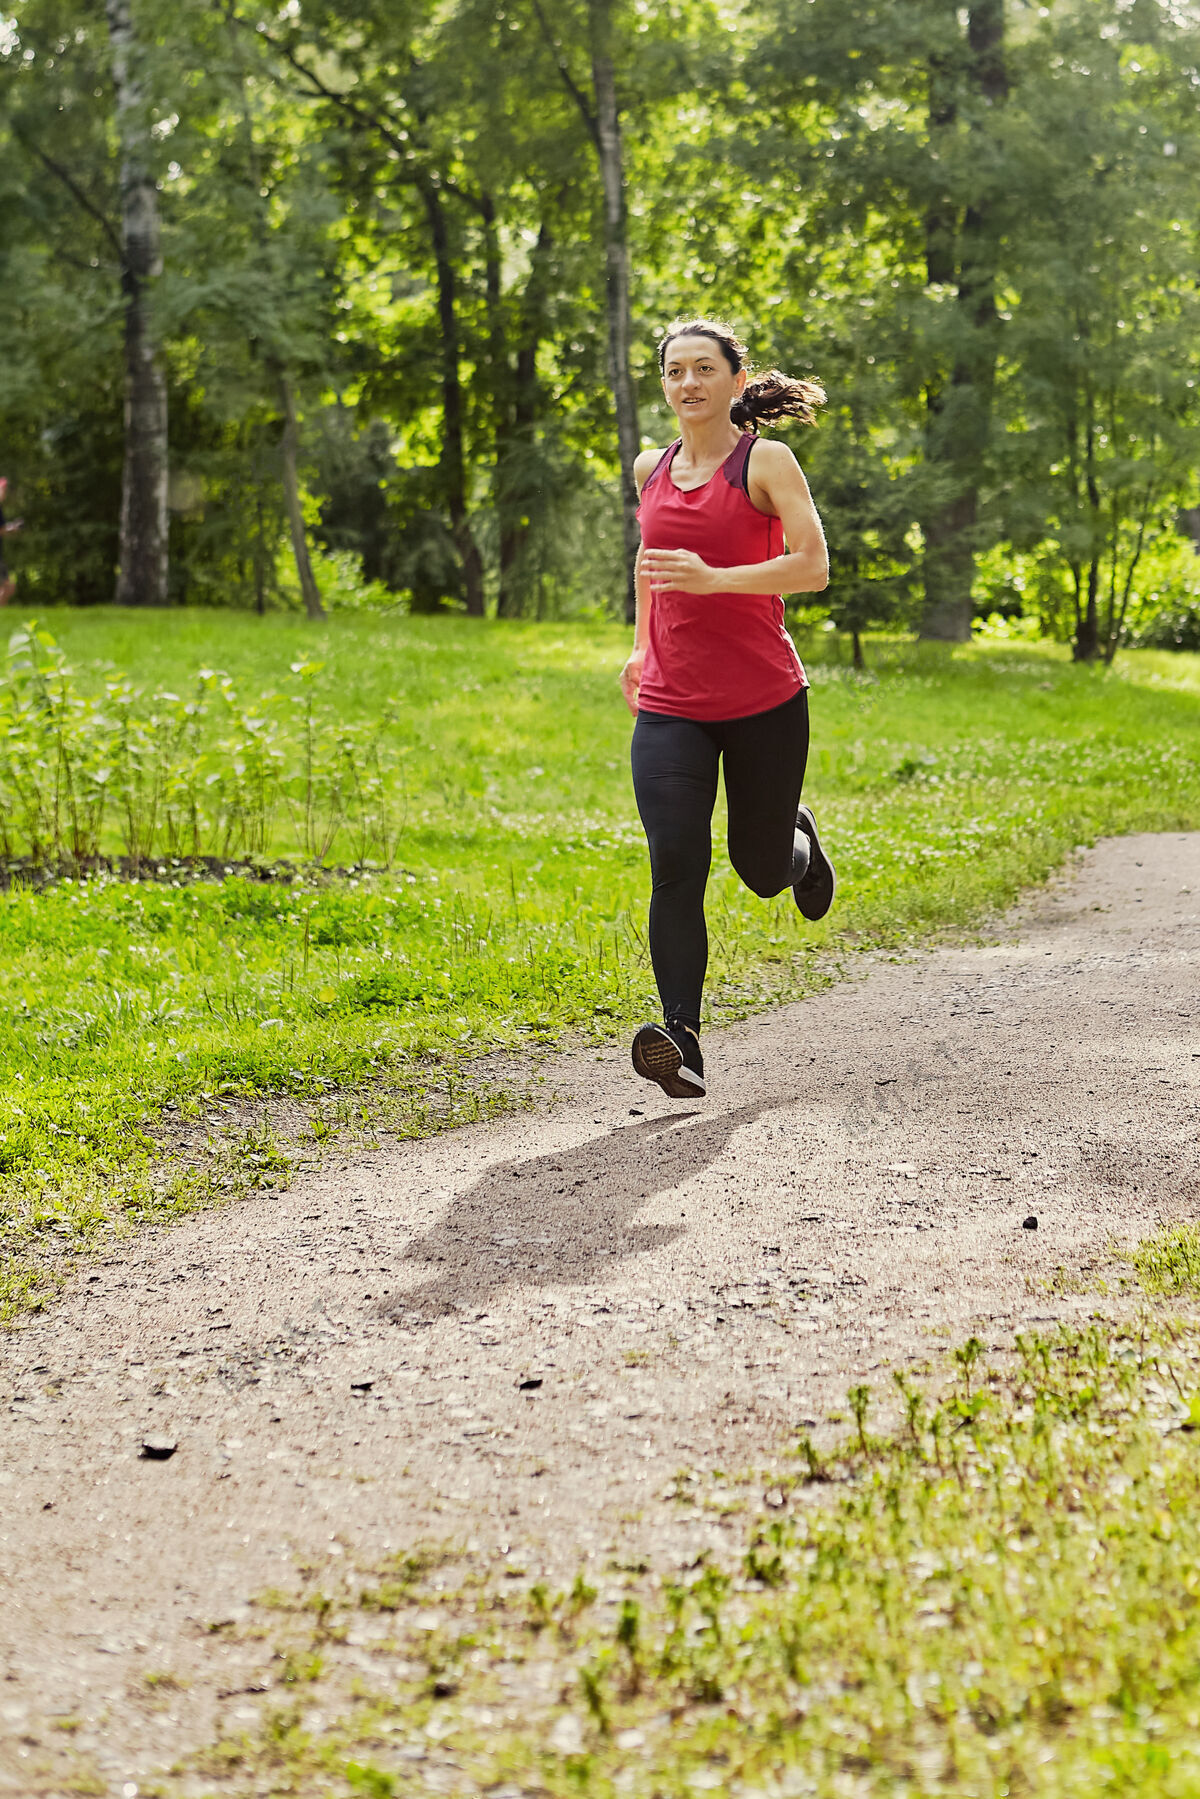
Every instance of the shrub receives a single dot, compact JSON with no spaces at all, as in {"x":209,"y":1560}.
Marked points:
{"x":171,"y":775}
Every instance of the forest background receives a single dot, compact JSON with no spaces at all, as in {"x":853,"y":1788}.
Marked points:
{"x":345,"y":306}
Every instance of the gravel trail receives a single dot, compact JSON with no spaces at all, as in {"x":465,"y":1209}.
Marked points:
{"x":514,"y":1336}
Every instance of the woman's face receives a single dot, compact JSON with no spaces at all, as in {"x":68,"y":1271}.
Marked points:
{"x":698,"y":382}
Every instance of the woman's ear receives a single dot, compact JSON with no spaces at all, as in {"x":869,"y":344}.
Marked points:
{"x":739,"y":384}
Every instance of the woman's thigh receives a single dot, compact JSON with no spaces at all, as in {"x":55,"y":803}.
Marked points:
{"x":765,"y":759}
{"x":674,"y":764}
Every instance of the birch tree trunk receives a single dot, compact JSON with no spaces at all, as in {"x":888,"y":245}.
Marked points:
{"x":616,"y":280}
{"x":142,"y":551}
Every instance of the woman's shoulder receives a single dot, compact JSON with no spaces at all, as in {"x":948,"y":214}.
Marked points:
{"x":770,"y":454}
{"x":774,"y":474}
{"x":645,"y":463}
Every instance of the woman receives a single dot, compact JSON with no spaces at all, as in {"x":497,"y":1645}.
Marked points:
{"x":728,"y":526}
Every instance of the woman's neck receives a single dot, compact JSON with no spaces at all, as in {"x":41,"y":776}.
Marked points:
{"x":709,"y":442}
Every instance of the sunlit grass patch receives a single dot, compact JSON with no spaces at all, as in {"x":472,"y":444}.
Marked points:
{"x":1169,"y":1264}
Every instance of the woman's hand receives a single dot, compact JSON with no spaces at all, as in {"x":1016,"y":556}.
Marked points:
{"x":631,"y":679}
{"x":682,"y":570}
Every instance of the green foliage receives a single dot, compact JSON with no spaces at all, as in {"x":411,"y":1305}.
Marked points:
{"x":168,"y":776}
{"x":344,"y":588}
{"x":393,"y":216}
{"x":1171,"y":629}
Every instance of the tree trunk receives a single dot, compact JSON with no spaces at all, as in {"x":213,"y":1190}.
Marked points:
{"x":960,"y":420}
{"x":289,"y":447}
{"x":142,"y":551}
{"x":1086,"y":647}
{"x":1117,"y":614}
{"x":453,"y":457}
{"x":616,"y":281}
{"x":941,"y":216}
{"x":506,"y":450}
{"x":940,"y":613}
{"x":515,"y":488}
{"x":1187,"y":523}
{"x":289,"y":443}
{"x":602,"y":117}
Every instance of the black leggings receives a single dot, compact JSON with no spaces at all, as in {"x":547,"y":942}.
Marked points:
{"x":675,"y":783}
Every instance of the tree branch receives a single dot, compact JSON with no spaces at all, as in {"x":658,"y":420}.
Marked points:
{"x":363,"y":114}
{"x":568,"y":80}
{"x":75,"y":191}
{"x":321,"y":89}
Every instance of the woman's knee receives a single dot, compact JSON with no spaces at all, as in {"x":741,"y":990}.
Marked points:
{"x":765,"y":878}
{"x":676,"y":860}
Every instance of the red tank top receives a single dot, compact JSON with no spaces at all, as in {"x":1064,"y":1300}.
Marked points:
{"x":714,"y":655}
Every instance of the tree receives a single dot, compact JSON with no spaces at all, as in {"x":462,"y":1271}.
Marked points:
{"x":1104,"y":422}
{"x":600,"y":110}
{"x":142,"y":553}
{"x":61,"y":385}
{"x":964,"y":216}
{"x":403,"y":248}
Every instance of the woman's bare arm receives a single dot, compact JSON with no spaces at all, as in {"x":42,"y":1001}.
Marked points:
{"x":631,"y":675}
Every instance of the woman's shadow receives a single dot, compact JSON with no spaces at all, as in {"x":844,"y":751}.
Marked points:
{"x":561,"y":1219}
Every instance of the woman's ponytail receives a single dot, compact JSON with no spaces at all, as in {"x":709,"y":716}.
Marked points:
{"x":773,"y":395}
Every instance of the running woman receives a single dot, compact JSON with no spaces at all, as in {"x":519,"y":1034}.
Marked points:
{"x":728,"y":526}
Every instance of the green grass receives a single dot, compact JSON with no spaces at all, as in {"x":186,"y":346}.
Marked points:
{"x":514,"y":909}
{"x":1001,"y":1595}
{"x":1169,"y":1264}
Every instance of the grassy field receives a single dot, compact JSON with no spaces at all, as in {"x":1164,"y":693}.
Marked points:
{"x":512,"y":910}
{"x":999,"y":1596}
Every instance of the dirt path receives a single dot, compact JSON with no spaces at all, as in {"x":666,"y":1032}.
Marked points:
{"x":516,"y":1334}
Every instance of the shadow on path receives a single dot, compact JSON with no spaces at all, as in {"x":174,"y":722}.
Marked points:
{"x":562,"y":1218}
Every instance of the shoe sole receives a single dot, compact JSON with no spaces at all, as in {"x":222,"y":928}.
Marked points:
{"x":814,"y":902}
{"x":657,"y":1058}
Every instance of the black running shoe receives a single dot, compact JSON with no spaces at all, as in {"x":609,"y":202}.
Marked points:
{"x":814,"y":891}
{"x":669,"y":1054}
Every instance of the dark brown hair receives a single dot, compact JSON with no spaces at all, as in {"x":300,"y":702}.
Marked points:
{"x":769,"y":395}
